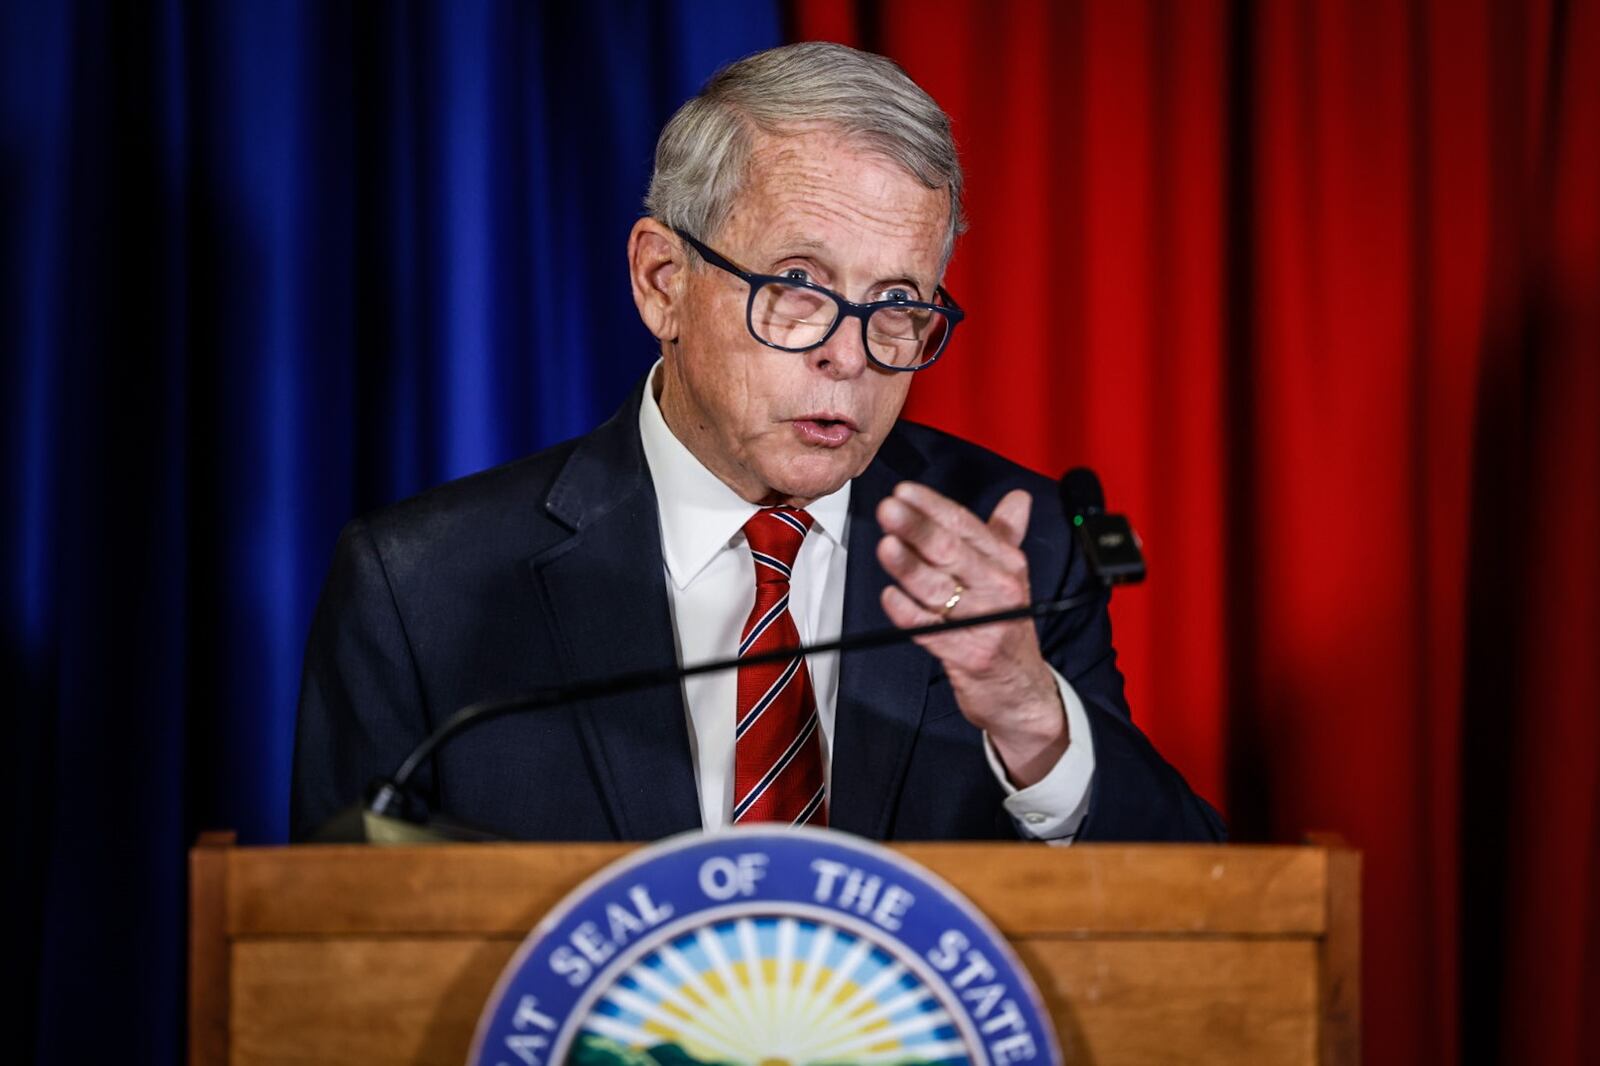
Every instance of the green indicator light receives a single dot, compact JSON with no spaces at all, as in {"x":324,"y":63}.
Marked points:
{"x":1077,"y":519}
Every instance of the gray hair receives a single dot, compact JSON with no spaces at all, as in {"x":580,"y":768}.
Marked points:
{"x":703,"y":153}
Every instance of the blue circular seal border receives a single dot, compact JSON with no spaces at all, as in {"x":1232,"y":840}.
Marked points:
{"x":699,"y":880}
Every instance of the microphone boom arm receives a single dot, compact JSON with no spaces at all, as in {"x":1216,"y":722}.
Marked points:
{"x":388,"y":795}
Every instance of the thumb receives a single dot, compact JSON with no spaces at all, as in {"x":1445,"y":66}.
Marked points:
{"x":1009,"y":521}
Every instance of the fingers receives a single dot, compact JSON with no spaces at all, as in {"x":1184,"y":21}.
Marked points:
{"x":1009,"y":521}
{"x":934,"y":547}
{"x":943,"y":532}
{"x":904,"y":611}
{"x":931,"y":585}
{"x":934,"y":541}
{"x":962,"y":524}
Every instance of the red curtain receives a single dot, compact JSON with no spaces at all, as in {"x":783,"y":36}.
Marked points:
{"x":1316,"y":288}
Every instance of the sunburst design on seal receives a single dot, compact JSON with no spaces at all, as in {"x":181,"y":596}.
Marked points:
{"x":768,"y":991}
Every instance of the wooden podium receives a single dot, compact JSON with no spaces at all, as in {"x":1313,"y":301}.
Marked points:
{"x":1146,"y":954}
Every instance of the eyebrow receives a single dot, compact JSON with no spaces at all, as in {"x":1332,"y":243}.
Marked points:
{"x":803,"y":245}
{"x":798,"y":244}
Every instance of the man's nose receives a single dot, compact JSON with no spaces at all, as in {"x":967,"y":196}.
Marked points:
{"x":844,"y":355}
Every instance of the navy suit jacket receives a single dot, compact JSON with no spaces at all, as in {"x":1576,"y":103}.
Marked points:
{"x":549,"y":570}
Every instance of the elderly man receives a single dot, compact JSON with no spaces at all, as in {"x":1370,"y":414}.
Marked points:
{"x":756,"y":491}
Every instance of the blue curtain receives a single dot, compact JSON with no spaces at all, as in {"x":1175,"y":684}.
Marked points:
{"x":265,"y":267}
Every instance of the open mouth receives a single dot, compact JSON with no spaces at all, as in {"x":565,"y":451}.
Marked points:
{"x":825,"y":430}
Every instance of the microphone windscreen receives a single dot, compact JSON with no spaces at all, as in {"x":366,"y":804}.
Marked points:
{"x":1081,"y":492}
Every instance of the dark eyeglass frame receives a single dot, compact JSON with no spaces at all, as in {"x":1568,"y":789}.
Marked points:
{"x":949,"y":309}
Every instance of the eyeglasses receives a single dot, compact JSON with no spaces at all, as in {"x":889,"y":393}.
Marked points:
{"x":796,"y":316}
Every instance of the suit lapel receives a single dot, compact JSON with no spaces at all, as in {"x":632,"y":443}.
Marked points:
{"x":605,"y":596}
{"x":604,"y":591}
{"x":881,"y":691}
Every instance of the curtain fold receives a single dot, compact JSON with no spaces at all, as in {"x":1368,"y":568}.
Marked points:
{"x":266,"y":267}
{"x":1315,"y":287}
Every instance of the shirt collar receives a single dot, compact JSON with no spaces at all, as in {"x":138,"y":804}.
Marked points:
{"x":701,"y":516}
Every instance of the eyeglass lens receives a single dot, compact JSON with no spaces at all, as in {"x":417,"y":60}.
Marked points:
{"x":790,"y":316}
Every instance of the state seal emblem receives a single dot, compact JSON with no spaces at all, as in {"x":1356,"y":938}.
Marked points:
{"x":761,"y":947}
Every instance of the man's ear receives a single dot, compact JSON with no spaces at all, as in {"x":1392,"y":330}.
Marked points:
{"x":656,"y":267}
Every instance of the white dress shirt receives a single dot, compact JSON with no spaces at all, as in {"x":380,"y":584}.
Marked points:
{"x":711,"y":589}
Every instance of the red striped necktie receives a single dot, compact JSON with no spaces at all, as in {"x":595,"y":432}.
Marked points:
{"x":777,"y":771}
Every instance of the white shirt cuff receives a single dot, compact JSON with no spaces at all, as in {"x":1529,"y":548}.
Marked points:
{"x":1053,"y":808}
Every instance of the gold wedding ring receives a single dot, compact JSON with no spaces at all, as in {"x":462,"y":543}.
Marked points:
{"x":955,"y":598}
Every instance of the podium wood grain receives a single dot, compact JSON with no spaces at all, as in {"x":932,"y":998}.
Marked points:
{"x":1147,"y":954}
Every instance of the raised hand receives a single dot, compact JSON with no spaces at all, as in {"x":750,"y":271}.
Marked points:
{"x":949,"y":563}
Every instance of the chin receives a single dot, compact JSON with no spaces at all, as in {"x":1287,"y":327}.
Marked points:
{"x":811,"y":476}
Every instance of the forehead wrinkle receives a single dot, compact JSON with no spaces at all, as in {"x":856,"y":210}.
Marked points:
{"x":814,"y":160}
{"x":818,"y":193}
{"x":814,"y":207}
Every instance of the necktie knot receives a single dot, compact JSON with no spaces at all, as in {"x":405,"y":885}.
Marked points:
{"x":775,"y":535}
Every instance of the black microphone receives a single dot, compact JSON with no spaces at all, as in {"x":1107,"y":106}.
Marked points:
{"x":391,"y":813}
{"x":1108,"y":540}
